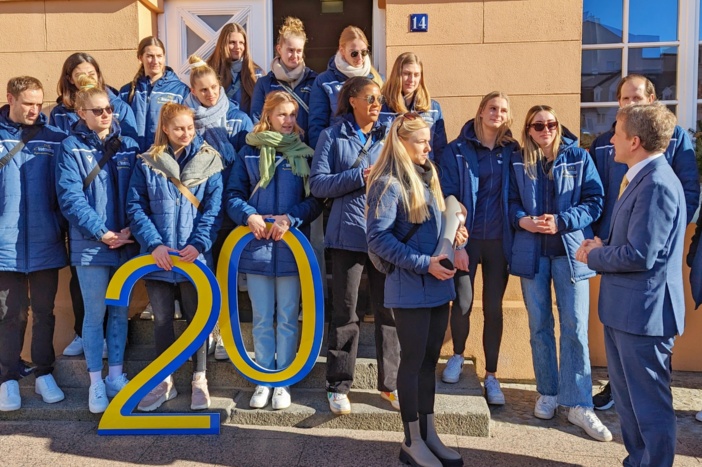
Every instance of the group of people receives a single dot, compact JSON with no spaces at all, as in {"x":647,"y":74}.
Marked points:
{"x":169,"y":169}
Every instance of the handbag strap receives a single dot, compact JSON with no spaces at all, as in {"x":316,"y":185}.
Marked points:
{"x":299,"y":100}
{"x":110,"y":151}
{"x":258,"y":185}
{"x":363,"y":153}
{"x":187,"y":193}
{"x":27,"y":135}
{"x":411,"y":232}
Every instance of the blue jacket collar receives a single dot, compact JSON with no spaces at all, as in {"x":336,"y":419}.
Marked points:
{"x":80,"y":128}
{"x":9,"y":125}
{"x":349,"y":126}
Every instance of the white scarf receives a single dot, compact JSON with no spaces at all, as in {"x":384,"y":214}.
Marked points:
{"x":350,"y":71}
{"x":282,"y":74}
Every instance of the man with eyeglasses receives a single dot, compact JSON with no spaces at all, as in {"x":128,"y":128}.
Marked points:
{"x":32,"y":244}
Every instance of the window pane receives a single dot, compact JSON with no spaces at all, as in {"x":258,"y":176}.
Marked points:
{"x":653,"y":20}
{"x":601,"y":71}
{"x":215,"y":21}
{"x":659,"y":64}
{"x":602,"y":21}
{"x":699,"y":77}
{"x":594,"y":122}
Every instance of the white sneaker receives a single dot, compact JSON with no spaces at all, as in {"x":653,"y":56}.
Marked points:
{"x":177,"y":313}
{"x":148,"y":313}
{"x":75,"y":348}
{"x":211,"y":344}
{"x":454,"y":367}
{"x":10,"y":396}
{"x":392,"y":398}
{"x":585,"y":418}
{"x":493,"y":393}
{"x":47,"y":388}
{"x":164,"y":391}
{"x":243,"y":285}
{"x":220,"y":353}
{"x":104,"y":349}
{"x":113,"y":387}
{"x":339,"y":403}
{"x":281,"y":398}
{"x":545,"y":407}
{"x":97,"y":397}
{"x":698,"y":417}
{"x":260,"y":397}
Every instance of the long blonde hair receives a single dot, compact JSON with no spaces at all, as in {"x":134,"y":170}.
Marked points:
{"x":392,"y":90}
{"x":531,"y":152}
{"x":169,"y":111}
{"x":351,"y":33}
{"x":273,"y":100}
{"x":503,"y":137}
{"x":396,"y":163}
{"x":143,"y":44}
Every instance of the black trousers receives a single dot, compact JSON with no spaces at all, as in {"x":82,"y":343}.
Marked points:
{"x":77,"y":301}
{"x":344,"y":330}
{"x":489,"y":254}
{"x":15,"y":288}
{"x":421,"y":334}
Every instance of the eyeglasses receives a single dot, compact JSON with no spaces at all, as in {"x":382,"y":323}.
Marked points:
{"x":372,"y":99}
{"x":363,"y":53}
{"x":411,"y":116}
{"x":99,"y":112}
{"x":540,"y":126}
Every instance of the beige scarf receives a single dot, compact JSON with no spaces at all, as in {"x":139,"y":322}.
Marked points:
{"x":290,"y":77}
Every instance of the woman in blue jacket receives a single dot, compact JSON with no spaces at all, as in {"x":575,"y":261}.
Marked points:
{"x":555,"y":195}
{"x":271,"y":178}
{"x":153,"y":85}
{"x":352,"y":59}
{"x":404,"y":209}
{"x":92,"y":194}
{"x":405,"y":91}
{"x":342,"y":160}
{"x":166,"y":221}
{"x":475,"y":169}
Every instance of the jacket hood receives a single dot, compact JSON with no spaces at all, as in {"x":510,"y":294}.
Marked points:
{"x":80,"y":128}
{"x":568,"y":139}
{"x":7,"y":124}
{"x":349,"y":121}
{"x":468,"y":133}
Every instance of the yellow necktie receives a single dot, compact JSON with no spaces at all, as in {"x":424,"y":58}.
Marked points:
{"x":622,"y":187}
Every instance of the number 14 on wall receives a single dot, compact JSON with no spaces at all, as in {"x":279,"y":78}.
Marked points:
{"x":419,"y":22}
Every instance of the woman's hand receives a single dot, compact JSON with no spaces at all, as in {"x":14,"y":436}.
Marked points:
{"x":438,"y":271}
{"x":258,"y":226}
{"x":281,"y":224}
{"x":189,"y":254}
{"x":548,"y":224}
{"x":162,"y":258}
{"x":461,"y":236}
{"x":116,"y":239}
{"x":461,"y":260}
{"x":366,"y":172}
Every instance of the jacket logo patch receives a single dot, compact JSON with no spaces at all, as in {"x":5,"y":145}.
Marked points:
{"x":163,"y":100}
{"x":43,"y":150}
{"x":90,"y":157}
{"x":570,"y":172}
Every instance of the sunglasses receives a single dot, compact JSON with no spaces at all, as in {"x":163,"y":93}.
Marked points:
{"x":363,"y":53}
{"x":540,"y":126}
{"x":99,"y":112}
{"x":372,"y":99}
{"x":411,"y":116}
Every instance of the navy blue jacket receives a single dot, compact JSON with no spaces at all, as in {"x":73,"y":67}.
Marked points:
{"x":680,"y":155}
{"x":409,"y":285}
{"x":434,"y":118}
{"x":332,"y":177}
{"x":269,"y":83}
{"x":63,"y":117}
{"x":147,"y":102}
{"x":31,"y":225}
{"x":101,"y":207}
{"x":235,"y":97}
{"x":285,"y":194}
{"x":459,"y":174}
{"x":160,"y":215}
{"x":579,"y":200}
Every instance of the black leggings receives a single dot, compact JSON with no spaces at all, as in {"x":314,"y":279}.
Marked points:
{"x":421,"y":334}
{"x":489,"y":254}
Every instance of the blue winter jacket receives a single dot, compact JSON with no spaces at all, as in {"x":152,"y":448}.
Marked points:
{"x":409,"y":285}
{"x":31,"y":225}
{"x":147,"y":102}
{"x":101,"y":207}
{"x":579,"y":199}
{"x":680,"y":155}
{"x":269,"y":83}
{"x":285,"y":194}
{"x":459,"y":175}
{"x":324,"y":100}
{"x":434,"y":118}
{"x":63,"y":117}
{"x":160,"y":215}
{"x":332,"y":177}
{"x":235,"y":96}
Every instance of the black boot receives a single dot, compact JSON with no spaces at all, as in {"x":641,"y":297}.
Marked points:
{"x":447,"y":456}
{"x":414,"y":451}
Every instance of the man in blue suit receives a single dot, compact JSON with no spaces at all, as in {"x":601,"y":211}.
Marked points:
{"x":641,"y":302}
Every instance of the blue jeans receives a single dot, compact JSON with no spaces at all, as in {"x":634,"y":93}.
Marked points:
{"x":571,"y":381}
{"x":93,"y":285}
{"x":274,"y":298}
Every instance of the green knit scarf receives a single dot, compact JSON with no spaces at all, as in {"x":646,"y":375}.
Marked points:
{"x":293,"y":150}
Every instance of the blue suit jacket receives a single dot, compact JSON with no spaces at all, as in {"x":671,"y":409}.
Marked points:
{"x":641,"y":263}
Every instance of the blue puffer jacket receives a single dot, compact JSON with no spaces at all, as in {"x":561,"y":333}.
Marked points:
{"x":160,"y":215}
{"x":579,"y":199}
{"x":285,"y":194}
{"x":235,"y":95}
{"x":269,"y":83}
{"x":31,"y":225}
{"x":459,"y":174}
{"x":101,"y":207}
{"x":324,"y":100}
{"x":680,"y":155}
{"x":434,"y":118}
{"x":332,"y":177}
{"x":147,"y":102}
{"x":409,"y":285}
{"x":63,"y":117}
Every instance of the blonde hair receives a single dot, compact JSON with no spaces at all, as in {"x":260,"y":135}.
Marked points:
{"x":198,"y":69}
{"x":503,"y":137}
{"x":396,"y":163}
{"x":531,"y":152}
{"x":351,"y":33}
{"x":169,"y":111}
{"x":88,"y":87}
{"x":392,"y":90}
{"x":273,"y":100}
{"x":143,"y":44}
{"x":291,"y":27}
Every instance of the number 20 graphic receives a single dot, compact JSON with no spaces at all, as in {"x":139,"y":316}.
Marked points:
{"x":118,"y":419}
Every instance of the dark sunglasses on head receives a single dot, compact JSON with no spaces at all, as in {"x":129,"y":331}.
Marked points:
{"x":372,"y":99}
{"x":539,"y":126}
{"x":363,"y":53}
{"x":98,"y":112}
{"x":408,"y":116}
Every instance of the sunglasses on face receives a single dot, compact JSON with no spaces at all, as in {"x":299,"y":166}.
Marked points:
{"x":99,"y":112}
{"x":363,"y":53}
{"x":540,"y":126}
{"x":372,"y":99}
